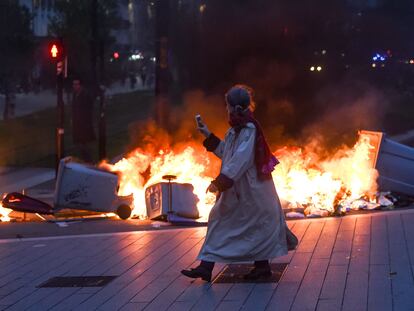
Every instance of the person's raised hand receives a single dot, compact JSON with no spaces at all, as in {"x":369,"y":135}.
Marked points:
{"x":212,"y":188}
{"x":202,"y":128}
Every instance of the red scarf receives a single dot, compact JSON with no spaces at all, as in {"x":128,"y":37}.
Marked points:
{"x":264,"y":159}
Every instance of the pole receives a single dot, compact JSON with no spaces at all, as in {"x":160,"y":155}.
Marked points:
{"x":102,"y":117}
{"x":102,"y":124}
{"x":98,"y":79}
{"x":60,"y":129}
{"x":94,"y":30}
{"x":93,"y":48}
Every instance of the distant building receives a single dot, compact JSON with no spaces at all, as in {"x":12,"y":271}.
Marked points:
{"x":406,"y":5}
{"x":141,"y":17}
{"x":41,"y":11}
{"x":365,"y":4}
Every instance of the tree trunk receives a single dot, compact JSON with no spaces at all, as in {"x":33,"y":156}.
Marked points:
{"x":162,"y":66}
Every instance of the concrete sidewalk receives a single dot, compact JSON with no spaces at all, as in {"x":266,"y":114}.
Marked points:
{"x":19,"y":179}
{"x":362,"y":262}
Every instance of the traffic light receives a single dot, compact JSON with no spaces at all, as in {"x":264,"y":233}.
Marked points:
{"x":116,"y":55}
{"x":57,"y":55}
{"x":58,"y":58}
{"x":56,"y":50}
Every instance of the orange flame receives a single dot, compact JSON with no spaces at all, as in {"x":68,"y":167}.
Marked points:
{"x":4,"y":213}
{"x":189,"y":165}
{"x":302,"y":177}
{"x":345,"y":176}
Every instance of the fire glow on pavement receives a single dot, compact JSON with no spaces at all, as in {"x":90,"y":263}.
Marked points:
{"x":4,"y":213}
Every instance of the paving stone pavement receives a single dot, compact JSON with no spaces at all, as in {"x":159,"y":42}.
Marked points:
{"x":360,"y":262}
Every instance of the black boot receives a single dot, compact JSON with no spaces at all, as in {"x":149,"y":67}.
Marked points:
{"x":261,"y":270}
{"x":203,"y":271}
{"x":291,"y":240}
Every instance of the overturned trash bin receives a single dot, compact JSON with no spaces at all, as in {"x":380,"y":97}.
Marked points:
{"x":168,"y":200}
{"x":86,"y":187}
{"x":394,"y":163}
{"x":78,"y":186}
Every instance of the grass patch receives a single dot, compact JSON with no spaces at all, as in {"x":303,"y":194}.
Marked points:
{"x":30,"y":140}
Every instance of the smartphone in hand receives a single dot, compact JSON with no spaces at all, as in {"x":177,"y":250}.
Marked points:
{"x":198,"y":121}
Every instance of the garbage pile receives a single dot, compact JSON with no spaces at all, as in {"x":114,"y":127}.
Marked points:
{"x":382,"y":201}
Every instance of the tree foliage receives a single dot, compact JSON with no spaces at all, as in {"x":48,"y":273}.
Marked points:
{"x":16,"y":45}
{"x":72,"y":23}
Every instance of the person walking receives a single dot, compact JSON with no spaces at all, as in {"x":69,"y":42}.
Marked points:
{"x":83,"y":133}
{"x":143,"y":75}
{"x":247,"y":222}
{"x":132,"y":80}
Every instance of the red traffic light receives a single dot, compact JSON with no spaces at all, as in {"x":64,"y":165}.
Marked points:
{"x":116,"y":55}
{"x":54,"y":51}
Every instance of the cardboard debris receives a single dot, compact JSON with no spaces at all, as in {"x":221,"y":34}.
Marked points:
{"x":295,"y":215}
{"x":318,"y":213}
{"x":383,"y":201}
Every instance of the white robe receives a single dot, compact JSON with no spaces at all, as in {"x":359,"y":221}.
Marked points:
{"x":247,"y":222}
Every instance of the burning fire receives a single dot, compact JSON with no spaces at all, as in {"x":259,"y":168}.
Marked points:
{"x":189,"y":165}
{"x":4,"y":213}
{"x":303,"y":177}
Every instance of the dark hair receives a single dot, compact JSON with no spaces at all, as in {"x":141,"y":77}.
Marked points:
{"x":241,"y":97}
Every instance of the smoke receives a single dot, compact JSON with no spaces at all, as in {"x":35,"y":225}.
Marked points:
{"x":181,"y":125}
{"x":342,"y":109}
{"x":181,"y":131}
{"x":331,"y":120}
{"x":270,"y":47}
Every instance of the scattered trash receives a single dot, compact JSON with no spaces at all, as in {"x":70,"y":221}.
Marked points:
{"x":314,"y":211}
{"x":296,"y":207}
{"x":383,"y":201}
{"x":295,"y":215}
{"x":40,"y":216}
{"x":158,"y":224}
{"x":61,"y":224}
{"x":359,"y":204}
{"x":318,"y":213}
{"x":372,"y":206}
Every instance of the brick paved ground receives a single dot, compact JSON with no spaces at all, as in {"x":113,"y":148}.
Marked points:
{"x":353,"y":263}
